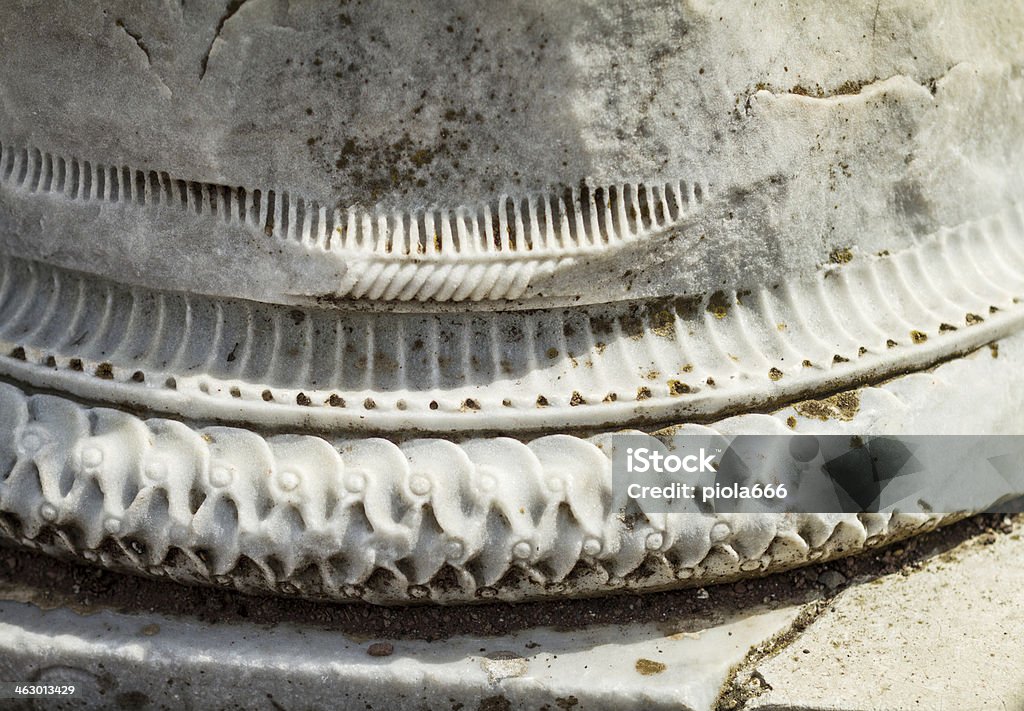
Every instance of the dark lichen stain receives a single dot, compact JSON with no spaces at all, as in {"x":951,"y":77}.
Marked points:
{"x":76,"y":364}
{"x":367,"y":171}
{"x":552,"y":353}
{"x":171,"y":384}
{"x":601,"y":324}
{"x":494,"y":703}
{"x":138,"y":377}
{"x":918,"y":336}
{"x":542,"y":401}
{"x":105,"y":371}
{"x":839,"y":359}
{"x":974,"y":319}
{"x":946,"y":327}
{"x":470,"y":404}
{"x":421,"y":157}
{"x":852,"y":86}
{"x":687,"y":307}
{"x":297,"y":316}
{"x":891,"y":343}
{"x":131,"y":701}
{"x":610,"y":397}
{"x":576,"y":399}
{"x":336,"y":401}
{"x":369,"y":404}
{"x":647,"y":667}
{"x":994,"y":349}
{"x":663,"y":324}
{"x":18,"y":353}
{"x":849,"y":87}
{"x":841,"y":255}
{"x":676,"y":387}
{"x":718,"y":305}
{"x":807,"y":364}
{"x":791,"y":422}
{"x":632,"y":326}
{"x":231,"y":355}
{"x":775,"y":374}
{"x":303,"y":399}
{"x":643,"y":393}
{"x":842,"y":406}
{"x":380,"y":649}
{"x":235,"y":392}
{"x":267,"y":396}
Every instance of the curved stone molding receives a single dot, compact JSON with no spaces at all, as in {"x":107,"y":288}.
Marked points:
{"x":430,"y":519}
{"x":489,"y":251}
{"x":433,"y":519}
{"x":268,"y":300}
{"x":699,"y":358}
{"x":370,"y":518}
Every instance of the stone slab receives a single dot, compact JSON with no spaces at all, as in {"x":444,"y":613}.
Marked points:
{"x":947,"y":636}
{"x":161,"y":662}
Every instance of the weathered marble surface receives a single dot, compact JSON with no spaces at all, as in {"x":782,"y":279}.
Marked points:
{"x":263,"y":259}
{"x":812,"y":130}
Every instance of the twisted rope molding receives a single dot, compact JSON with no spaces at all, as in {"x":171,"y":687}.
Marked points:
{"x":733,"y":350}
{"x":425,"y":519}
{"x":491,"y":250}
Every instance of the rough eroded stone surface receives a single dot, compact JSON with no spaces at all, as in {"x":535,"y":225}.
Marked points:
{"x":809,"y":133}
